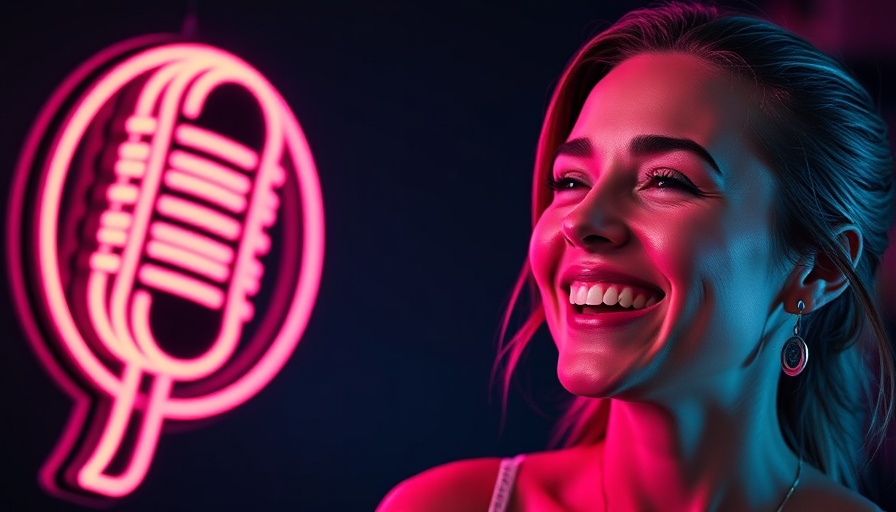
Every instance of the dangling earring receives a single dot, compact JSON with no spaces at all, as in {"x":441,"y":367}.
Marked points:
{"x":795,"y":354}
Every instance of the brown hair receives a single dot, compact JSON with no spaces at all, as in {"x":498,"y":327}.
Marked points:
{"x":827,"y":146}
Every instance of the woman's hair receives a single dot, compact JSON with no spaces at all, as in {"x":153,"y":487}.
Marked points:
{"x":827,"y":147}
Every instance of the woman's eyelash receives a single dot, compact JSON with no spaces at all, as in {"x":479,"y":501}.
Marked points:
{"x":657,"y":178}
{"x":670,"y":178}
{"x":562,"y":183}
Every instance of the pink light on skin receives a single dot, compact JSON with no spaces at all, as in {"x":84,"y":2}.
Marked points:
{"x":184,"y":219}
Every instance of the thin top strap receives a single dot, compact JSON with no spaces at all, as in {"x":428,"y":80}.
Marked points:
{"x":504,"y":483}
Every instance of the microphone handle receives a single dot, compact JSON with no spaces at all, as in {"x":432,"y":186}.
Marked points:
{"x":93,"y":476}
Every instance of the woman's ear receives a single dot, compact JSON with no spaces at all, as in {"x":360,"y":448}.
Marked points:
{"x":816,"y":280}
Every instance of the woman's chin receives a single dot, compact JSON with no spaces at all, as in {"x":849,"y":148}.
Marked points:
{"x":586,"y":377}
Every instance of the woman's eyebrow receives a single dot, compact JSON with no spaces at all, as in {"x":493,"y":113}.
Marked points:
{"x":580,"y":147}
{"x":650,"y":144}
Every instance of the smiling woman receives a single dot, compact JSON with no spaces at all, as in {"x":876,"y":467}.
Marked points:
{"x":711,"y":202}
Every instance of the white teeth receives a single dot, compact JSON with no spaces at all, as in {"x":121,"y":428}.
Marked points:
{"x":582,"y":295}
{"x":589,"y":294}
{"x":625,"y":298}
{"x":611,"y":296}
{"x":595,"y":295}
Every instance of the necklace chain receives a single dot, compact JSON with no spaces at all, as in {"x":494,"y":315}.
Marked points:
{"x":796,"y":482}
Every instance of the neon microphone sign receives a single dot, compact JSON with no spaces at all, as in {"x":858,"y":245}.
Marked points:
{"x":165,"y":247}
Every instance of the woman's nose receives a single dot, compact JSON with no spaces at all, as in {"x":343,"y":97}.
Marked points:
{"x":596,"y":223}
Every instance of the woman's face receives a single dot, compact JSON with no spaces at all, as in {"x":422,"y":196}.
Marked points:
{"x":660,"y":233}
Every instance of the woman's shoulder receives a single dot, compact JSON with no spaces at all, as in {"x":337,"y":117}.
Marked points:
{"x":455,"y":487}
{"x":469,"y":484}
{"x":818,"y":491}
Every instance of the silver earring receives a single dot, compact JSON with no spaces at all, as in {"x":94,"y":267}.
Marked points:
{"x":795,"y":354}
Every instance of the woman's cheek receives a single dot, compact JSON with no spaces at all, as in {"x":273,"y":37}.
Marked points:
{"x":679,"y":247}
{"x":545,"y":250}
{"x":545,"y":254}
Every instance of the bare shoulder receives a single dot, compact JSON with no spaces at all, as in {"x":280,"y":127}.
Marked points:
{"x":460,"y":486}
{"x":819,"y":492}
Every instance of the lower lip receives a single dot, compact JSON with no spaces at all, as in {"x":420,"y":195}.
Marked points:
{"x":610,"y":319}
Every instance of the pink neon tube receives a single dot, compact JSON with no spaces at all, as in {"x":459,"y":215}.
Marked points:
{"x":185,"y":219}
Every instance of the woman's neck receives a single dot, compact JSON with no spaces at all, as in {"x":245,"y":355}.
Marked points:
{"x":696,"y":456}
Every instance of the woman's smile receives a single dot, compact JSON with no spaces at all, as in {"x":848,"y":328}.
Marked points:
{"x":659,"y":232}
{"x":702,"y":180}
{"x":605,"y":297}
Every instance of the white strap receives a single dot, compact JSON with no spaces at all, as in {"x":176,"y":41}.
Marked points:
{"x":504,"y":483}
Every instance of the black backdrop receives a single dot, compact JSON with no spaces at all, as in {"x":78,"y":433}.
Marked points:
{"x":423,"y":121}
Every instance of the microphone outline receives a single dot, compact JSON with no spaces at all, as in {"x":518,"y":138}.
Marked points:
{"x":127,"y":334}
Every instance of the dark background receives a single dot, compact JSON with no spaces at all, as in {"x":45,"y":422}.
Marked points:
{"x":423,"y":120}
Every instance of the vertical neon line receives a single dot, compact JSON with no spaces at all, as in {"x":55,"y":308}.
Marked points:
{"x":92,"y":475}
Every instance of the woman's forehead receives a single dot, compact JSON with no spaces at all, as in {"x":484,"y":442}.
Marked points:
{"x":671,"y":94}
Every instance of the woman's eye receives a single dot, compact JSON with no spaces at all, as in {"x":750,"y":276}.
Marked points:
{"x":670,"y":179}
{"x":563,"y":183}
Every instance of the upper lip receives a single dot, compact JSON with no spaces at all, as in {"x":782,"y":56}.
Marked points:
{"x":600,"y":273}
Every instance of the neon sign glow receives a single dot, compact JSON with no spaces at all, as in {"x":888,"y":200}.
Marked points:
{"x":165,"y":245}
